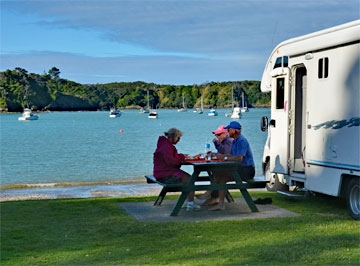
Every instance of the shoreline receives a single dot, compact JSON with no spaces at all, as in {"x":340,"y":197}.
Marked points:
{"x":80,"y":191}
{"x":123,"y":109}
{"x":54,"y":184}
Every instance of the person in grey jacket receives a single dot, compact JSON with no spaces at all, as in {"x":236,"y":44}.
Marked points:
{"x":222,"y":143}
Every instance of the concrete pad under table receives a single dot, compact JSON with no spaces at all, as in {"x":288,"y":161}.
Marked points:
{"x":147,"y":212}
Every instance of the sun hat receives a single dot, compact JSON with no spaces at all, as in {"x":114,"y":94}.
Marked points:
{"x":234,"y":125}
{"x":220,"y":129}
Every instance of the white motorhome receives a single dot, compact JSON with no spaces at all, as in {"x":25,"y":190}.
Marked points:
{"x":314,"y":132}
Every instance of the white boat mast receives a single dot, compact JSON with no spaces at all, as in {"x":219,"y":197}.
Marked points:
{"x":148,"y":100}
{"x":242,"y":98}
{"x":232,"y":98}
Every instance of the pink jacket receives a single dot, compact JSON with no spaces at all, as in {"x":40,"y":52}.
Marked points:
{"x":167,"y":160}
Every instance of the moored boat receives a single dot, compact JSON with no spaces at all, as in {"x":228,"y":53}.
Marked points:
{"x":236,"y":111}
{"x":144,"y":111}
{"x":183,"y":108}
{"x":236,"y":114}
{"x":147,"y":109}
{"x":202,"y":106}
{"x":28,"y":115}
{"x":212,"y":112}
{"x":114,"y":113}
{"x":244,"y":107}
{"x":153,"y":114}
{"x":198,"y":110}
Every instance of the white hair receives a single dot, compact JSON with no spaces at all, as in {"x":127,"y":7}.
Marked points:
{"x":173,"y":133}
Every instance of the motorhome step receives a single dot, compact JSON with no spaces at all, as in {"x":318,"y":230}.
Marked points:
{"x":291,"y":193}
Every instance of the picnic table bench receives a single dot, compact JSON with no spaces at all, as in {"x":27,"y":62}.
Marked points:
{"x":211,"y":168}
{"x":179,"y":187}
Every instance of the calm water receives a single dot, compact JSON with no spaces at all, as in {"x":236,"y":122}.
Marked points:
{"x":65,"y":147}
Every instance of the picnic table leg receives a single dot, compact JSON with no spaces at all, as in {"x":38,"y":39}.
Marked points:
{"x":185,"y":193}
{"x":160,"y":197}
{"x":249,"y":200}
{"x":179,"y":204}
{"x":244,"y":192}
{"x":229,"y":197}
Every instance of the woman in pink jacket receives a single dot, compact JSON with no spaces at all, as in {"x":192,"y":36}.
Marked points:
{"x":167,"y":163}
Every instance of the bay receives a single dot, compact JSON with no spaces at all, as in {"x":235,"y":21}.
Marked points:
{"x":75,"y":147}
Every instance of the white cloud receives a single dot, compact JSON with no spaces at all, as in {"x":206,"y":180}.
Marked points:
{"x":171,"y":36}
{"x":159,"y":69}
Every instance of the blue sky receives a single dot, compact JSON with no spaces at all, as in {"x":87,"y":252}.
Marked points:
{"x":161,"y":41}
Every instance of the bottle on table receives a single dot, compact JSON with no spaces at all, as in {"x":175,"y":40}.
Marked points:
{"x":207,"y":152}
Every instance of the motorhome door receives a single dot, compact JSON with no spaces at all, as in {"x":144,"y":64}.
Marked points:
{"x":298,"y":139}
{"x":279,"y":124}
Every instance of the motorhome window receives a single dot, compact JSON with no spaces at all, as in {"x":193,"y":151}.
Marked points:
{"x":320,"y":68}
{"x":326,"y":72}
{"x":286,"y":61}
{"x":280,"y":90}
{"x":323,"y":69}
{"x":278,"y":62}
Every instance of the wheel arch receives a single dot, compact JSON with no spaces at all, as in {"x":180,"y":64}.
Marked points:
{"x":345,"y":179}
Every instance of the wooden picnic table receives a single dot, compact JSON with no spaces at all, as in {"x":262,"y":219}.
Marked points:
{"x":210,"y":167}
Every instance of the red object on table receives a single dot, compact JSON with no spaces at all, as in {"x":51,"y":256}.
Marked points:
{"x":202,"y":160}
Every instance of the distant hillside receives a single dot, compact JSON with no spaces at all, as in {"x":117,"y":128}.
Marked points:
{"x":20,"y":89}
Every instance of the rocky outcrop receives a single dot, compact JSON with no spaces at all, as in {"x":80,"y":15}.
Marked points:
{"x":70,"y":103}
{"x":12,"y":106}
{"x":39,"y":97}
{"x":40,"y":100}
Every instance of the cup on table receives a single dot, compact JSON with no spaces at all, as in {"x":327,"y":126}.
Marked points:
{"x":208,"y":156}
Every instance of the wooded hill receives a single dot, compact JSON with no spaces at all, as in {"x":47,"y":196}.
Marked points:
{"x":20,"y":89}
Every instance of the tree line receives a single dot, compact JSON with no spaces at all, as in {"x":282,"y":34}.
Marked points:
{"x":20,"y":89}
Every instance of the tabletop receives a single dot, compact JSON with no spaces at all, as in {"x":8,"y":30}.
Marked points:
{"x":200,"y":162}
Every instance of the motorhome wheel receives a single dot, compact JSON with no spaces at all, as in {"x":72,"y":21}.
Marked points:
{"x":353,"y":198}
{"x":274,"y":184}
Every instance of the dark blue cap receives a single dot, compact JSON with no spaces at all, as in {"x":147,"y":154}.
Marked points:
{"x":234,"y":125}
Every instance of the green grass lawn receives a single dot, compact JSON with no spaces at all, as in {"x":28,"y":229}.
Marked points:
{"x":99,"y":232}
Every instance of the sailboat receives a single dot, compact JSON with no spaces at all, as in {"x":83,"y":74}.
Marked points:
{"x":147,"y":110}
{"x":243,"y":107}
{"x":153,"y":114}
{"x":201,"y":109}
{"x":232,"y":102}
{"x":201,"y":106}
{"x":236,"y":112}
{"x":183,"y":109}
